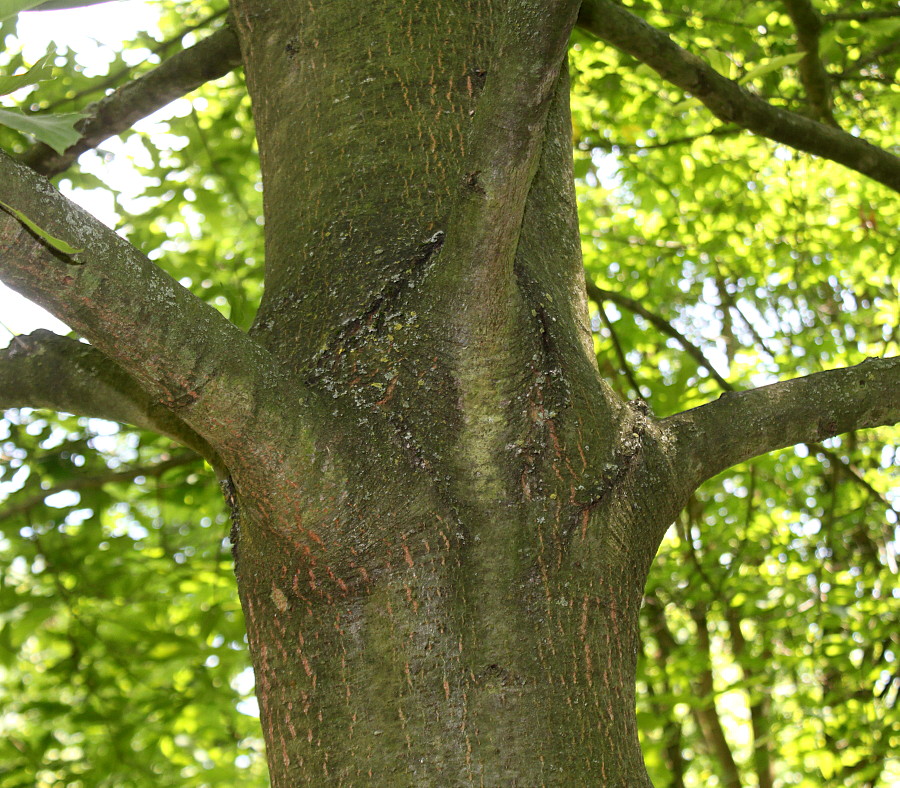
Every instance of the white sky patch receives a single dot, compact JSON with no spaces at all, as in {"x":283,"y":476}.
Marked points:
{"x":21,"y":316}
{"x":245,"y":683}
{"x":95,"y":33}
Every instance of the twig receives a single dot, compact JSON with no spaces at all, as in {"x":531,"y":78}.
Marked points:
{"x":211,"y":58}
{"x":114,"y":80}
{"x":861,"y":16}
{"x":632,"y":147}
{"x":598,"y":294}
{"x":95,"y":482}
{"x":626,"y":367}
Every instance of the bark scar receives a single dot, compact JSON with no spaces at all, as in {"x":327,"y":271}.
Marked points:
{"x":230,"y":494}
{"x":388,"y":297}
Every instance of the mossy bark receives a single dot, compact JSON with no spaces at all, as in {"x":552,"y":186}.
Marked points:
{"x":443,"y":517}
{"x":443,"y":590}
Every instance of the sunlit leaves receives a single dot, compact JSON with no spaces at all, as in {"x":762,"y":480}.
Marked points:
{"x":772,"y":64}
{"x":56,"y":130}
{"x":122,"y":635}
{"x":39,"y":72}
{"x":122,"y":654}
{"x":773,"y":264}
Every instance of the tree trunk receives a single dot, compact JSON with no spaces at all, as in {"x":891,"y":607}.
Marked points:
{"x":443,"y":516}
{"x":437,"y":587}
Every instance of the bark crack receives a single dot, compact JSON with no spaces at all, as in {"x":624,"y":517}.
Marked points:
{"x":230,"y":494}
{"x":382,"y":306}
{"x":629,"y":450}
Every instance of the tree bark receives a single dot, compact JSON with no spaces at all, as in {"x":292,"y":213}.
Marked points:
{"x":443,"y":518}
{"x":431,"y":623}
{"x":43,"y":370}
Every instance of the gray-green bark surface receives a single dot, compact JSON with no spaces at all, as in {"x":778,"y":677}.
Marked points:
{"x":443,"y":517}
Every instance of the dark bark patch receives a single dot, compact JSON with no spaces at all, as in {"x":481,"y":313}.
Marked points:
{"x":641,"y":407}
{"x":473,"y":183}
{"x":293,"y":48}
{"x":497,"y":675}
{"x":827,"y":429}
{"x":184,"y":400}
{"x":230,"y":495}
{"x":477,"y":77}
{"x":388,"y":300}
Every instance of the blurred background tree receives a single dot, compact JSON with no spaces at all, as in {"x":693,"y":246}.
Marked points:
{"x":715,"y":260}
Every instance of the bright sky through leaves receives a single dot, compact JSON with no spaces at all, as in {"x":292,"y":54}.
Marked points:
{"x":94,"y":32}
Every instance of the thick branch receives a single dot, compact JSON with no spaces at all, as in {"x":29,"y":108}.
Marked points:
{"x":727,"y":100}
{"x":180,"y":350}
{"x":43,"y":370}
{"x":665,"y":327}
{"x":506,"y":143}
{"x":211,"y":58}
{"x":739,"y":426}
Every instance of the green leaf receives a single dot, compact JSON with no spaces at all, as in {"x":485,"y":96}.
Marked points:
{"x":39,"y":72}
{"x":720,"y":62}
{"x":774,"y":64}
{"x":54,"y":5}
{"x":684,"y":106}
{"x":10,"y":8}
{"x":56,"y":243}
{"x":57,"y":131}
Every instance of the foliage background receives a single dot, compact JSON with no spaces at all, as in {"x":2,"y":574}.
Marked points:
{"x":771,"y":643}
